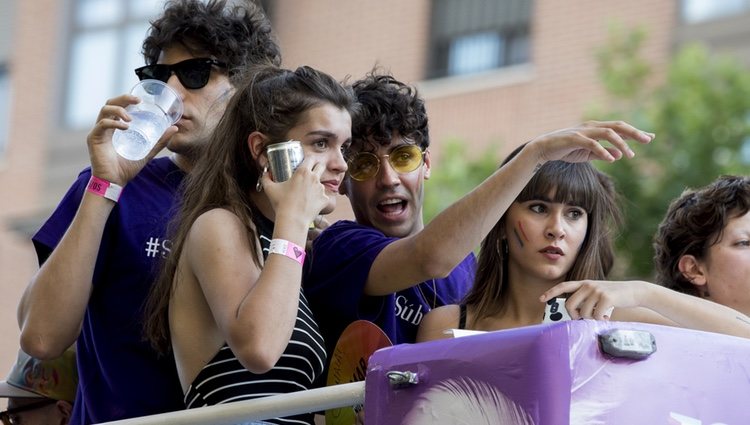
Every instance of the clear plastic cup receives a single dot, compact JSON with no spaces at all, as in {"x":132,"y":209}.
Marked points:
{"x":160,"y":107}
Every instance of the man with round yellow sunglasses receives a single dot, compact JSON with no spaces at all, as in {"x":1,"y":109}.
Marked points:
{"x":388,"y":162}
{"x":388,"y":267}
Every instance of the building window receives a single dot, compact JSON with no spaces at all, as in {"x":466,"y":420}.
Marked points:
{"x":4,"y":109}
{"x":470,"y":36}
{"x":695,"y":11}
{"x":105,"y":47}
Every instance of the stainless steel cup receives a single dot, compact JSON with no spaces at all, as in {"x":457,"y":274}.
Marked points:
{"x":283,"y":158}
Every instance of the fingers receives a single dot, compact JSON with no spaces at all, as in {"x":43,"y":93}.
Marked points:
{"x":581,"y":304}
{"x":111,"y":123}
{"x":617,"y":132}
{"x":123,"y":100}
{"x":558,"y":290}
{"x":114,"y":108}
{"x":610,"y":135}
{"x":600,"y":152}
{"x":587,"y":299}
{"x":606,"y":141}
{"x":303,"y":193}
{"x":318,"y":169}
{"x":320,"y":222}
{"x":316,"y":228}
{"x":627,"y":131}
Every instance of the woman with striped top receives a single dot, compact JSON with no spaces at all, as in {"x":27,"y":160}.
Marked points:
{"x":228,"y":301}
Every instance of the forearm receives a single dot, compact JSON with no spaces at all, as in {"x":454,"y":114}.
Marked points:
{"x":461,"y":227}
{"x":52,"y":307}
{"x":454,"y":233}
{"x":267,"y":314}
{"x":694,"y":312}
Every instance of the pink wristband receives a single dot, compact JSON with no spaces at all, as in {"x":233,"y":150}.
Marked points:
{"x":288,"y":249}
{"x":104,"y":188}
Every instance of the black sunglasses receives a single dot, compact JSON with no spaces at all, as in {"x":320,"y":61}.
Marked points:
{"x":192,"y":73}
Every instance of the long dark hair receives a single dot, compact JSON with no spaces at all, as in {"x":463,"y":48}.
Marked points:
{"x":693,"y":223}
{"x":571,"y":183}
{"x":271,"y":101}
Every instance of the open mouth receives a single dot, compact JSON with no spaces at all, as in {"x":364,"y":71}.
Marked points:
{"x":391,"y":206}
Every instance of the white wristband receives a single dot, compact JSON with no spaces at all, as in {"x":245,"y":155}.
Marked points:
{"x":287,"y":249}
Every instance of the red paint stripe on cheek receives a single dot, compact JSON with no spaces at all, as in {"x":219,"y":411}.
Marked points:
{"x":520,"y":227}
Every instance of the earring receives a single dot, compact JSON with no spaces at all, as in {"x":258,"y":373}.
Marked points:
{"x":502,"y":246}
{"x":704,"y":292}
{"x":259,"y":185}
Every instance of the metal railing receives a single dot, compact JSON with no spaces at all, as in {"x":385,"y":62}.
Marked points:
{"x":314,"y":400}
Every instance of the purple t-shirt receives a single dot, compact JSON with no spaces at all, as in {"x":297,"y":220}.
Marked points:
{"x":120,"y":376}
{"x":334,"y":284}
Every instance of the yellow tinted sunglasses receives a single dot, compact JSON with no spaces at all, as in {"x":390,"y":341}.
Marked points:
{"x":404,"y":159}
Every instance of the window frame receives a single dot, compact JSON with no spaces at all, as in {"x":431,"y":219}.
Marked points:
{"x":121,"y":78}
{"x":717,"y":11}
{"x":473,"y":21}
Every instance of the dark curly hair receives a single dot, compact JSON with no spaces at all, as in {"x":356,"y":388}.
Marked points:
{"x":387,"y":105}
{"x":694,"y":222}
{"x":238,"y":35}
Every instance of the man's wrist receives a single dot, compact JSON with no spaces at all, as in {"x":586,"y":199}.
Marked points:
{"x":104,"y":188}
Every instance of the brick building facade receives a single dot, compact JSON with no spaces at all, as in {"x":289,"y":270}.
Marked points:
{"x":549,"y":87}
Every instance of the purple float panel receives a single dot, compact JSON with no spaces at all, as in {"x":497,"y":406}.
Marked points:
{"x":557,"y":374}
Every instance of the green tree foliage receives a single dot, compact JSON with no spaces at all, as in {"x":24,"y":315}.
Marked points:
{"x":701,"y":117}
{"x":455,"y":175}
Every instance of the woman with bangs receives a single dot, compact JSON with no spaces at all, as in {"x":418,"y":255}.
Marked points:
{"x":556,"y":240}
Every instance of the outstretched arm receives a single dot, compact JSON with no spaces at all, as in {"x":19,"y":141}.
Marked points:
{"x":52,"y":307}
{"x":639,"y":301}
{"x":455,"y":232}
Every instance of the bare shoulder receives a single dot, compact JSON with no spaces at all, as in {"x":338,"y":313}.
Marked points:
{"x":217,"y":224}
{"x":217,"y":234}
{"x":216,"y":219}
{"x":437,"y":321}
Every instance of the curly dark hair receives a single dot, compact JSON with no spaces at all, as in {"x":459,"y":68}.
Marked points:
{"x":694,"y":222}
{"x":238,"y":35}
{"x":387,"y":105}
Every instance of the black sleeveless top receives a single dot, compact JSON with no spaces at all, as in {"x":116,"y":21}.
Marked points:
{"x":462,"y":316}
{"x":225,"y":380}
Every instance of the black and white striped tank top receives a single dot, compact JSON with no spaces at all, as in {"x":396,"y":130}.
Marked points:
{"x":225,"y":380}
